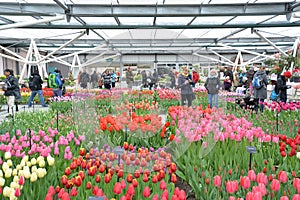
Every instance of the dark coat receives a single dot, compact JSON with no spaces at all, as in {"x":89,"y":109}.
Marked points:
{"x":12,"y":86}
{"x":185,"y":88}
{"x":38,"y":80}
{"x":212,"y":85}
{"x":281,"y":88}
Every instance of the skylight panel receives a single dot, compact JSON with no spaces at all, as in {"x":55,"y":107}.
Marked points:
{"x":136,"y":20}
{"x":100,"y":20}
{"x":211,"y":20}
{"x":173,"y":20}
{"x":249,"y":19}
{"x":137,"y":2}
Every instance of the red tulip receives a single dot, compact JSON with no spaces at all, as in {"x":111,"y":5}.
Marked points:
{"x":129,"y":178}
{"x":123,"y":184}
{"x":74,"y":192}
{"x":81,"y":174}
{"x":125,"y":145}
{"x":284,"y":198}
{"x":155,"y":197}
{"x":162,"y":185}
{"x":254,"y":196}
{"x":117,"y":188}
{"x":17,"y":192}
{"x":135,"y":183}
{"x":131,"y":190}
{"x":64,"y":180}
{"x":51,"y":190}
{"x":275,"y":185}
{"x":230,"y":171}
{"x":173,"y":167}
{"x":21,"y":180}
{"x":102,"y":168}
{"x":65,"y":196}
{"x":231,"y":186}
{"x":245,"y":182}
{"x":145,"y":178}
{"x":88,"y":185}
{"x":165,"y":195}
{"x":82,"y":151}
{"x":296,"y":197}
{"x":137,"y":174}
{"x":68,"y":171}
{"x":154,"y":179}
{"x":173,"y":178}
{"x":49,"y":197}
{"x":282,"y":177}
{"x":251,"y":175}
{"x":283,"y":154}
{"x":207,"y":180}
{"x":262,"y":178}
{"x":217,"y":181}
{"x":78,"y":181}
{"x":98,"y":178}
{"x":107,"y":178}
{"x":146,"y":192}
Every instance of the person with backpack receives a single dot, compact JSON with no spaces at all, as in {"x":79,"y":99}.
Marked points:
{"x":55,"y":81}
{"x":281,"y":86}
{"x":35,"y":85}
{"x":259,"y":85}
{"x":213,"y":86}
{"x":11,"y":90}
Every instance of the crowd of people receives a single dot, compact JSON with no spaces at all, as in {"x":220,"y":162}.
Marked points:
{"x":252,"y":82}
{"x":105,"y":80}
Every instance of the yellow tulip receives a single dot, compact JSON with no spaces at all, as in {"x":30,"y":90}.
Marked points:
{"x":7,"y":155}
{"x":7,"y":191}
{"x":28,"y":164}
{"x":33,"y":177}
{"x":33,"y":169}
{"x":39,"y":159}
{"x":14,"y":185}
{"x":50,"y":160}
{"x":1,"y":173}
{"x":25,"y":158}
{"x":14,"y":172}
{"x":2,"y":181}
{"x":33,"y":161}
{"x":40,"y":173}
{"x":9,"y":162}
{"x":42,"y":163}
{"x":27,"y":174}
{"x":5,"y":167}
{"x":16,"y":179}
{"x":21,"y":173}
{"x":18,"y":167}
{"x":8,"y":173}
{"x":23,"y":163}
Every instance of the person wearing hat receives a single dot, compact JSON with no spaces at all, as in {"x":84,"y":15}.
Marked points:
{"x":185,"y":84}
{"x":281,"y":86}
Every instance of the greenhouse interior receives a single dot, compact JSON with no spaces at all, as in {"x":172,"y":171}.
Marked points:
{"x":149,"y":99}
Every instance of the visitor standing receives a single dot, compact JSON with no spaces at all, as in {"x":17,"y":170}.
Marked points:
{"x":11,"y":90}
{"x":70,"y":76}
{"x":35,"y":85}
{"x":213,"y":86}
{"x":56,"y":81}
{"x":154,"y":80}
{"x":185,"y":84}
{"x":281,"y":86}
{"x":84,"y":79}
{"x":114,"y":79}
{"x":144,"y":79}
{"x":172,"y":78}
{"x":106,"y":77}
{"x":94,"y":79}
{"x":196,"y":78}
{"x":260,"y":83}
{"x":229,"y":73}
{"x":129,"y":78}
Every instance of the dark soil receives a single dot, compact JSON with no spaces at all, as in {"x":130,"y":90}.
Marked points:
{"x":183,"y":185}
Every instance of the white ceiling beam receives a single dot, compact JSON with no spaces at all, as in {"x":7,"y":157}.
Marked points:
{"x":62,"y":46}
{"x":269,"y":42}
{"x":213,"y":59}
{"x":29,"y":23}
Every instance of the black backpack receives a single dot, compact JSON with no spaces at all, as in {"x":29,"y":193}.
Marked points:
{"x":33,"y":82}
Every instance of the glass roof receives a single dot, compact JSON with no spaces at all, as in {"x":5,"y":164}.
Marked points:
{"x":109,"y":28}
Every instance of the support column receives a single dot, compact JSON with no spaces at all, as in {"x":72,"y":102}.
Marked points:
{"x":121,"y":69}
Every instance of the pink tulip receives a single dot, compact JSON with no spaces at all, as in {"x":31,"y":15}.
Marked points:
{"x":284,"y":198}
{"x":282,"y":176}
{"x":275,"y":185}
{"x":217,"y":181}
{"x":251,"y":175}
